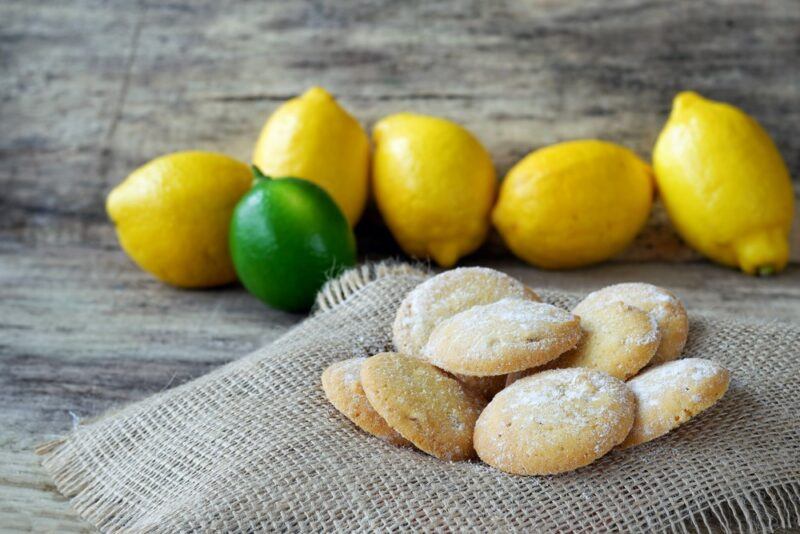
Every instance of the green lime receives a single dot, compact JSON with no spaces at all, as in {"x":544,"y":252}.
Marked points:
{"x":287,"y":237}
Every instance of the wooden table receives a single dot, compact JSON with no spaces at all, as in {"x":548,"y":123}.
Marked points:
{"x":90,"y":90}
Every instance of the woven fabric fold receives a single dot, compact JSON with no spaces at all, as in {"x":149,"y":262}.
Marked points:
{"x":254,"y":446}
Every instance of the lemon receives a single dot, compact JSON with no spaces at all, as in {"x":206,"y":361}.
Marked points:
{"x":573,"y":203}
{"x":724,"y":184}
{"x":172,"y":216}
{"x":434,"y":185}
{"x":312,"y":137}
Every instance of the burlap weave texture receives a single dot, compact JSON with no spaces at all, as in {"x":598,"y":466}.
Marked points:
{"x":254,"y":446}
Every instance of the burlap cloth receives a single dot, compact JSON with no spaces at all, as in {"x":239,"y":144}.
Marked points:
{"x":254,"y":446}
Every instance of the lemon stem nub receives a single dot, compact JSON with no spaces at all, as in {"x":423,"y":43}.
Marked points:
{"x":258,"y":175}
{"x":766,"y":270}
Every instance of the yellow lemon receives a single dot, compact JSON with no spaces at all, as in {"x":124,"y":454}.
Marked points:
{"x":172,"y":216}
{"x":434,"y":184}
{"x":725,"y":186}
{"x":314,"y":138}
{"x":573,"y":203}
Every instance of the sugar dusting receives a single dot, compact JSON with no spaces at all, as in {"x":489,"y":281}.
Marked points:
{"x":660,"y":303}
{"x":351,"y":372}
{"x":447,"y":294}
{"x":651,"y":385}
{"x":652,"y":335}
{"x":490,"y":331}
{"x":567,"y":396}
{"x":521,"y":312}
{"x":672,"y":393}
{"x":551,"y":410}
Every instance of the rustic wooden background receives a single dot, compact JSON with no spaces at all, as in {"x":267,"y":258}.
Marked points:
{"x":91,"y":89}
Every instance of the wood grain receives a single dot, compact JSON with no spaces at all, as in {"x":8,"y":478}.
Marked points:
{"x":91,"y":89}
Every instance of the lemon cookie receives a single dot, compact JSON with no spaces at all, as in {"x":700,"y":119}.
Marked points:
{"x":617,"y":339}
{"x":445,"y":295}
{"x":502,"y":337}
{"x":662,"y":305}
{"x":554,"y":421}
{"x":670,"y":394}
{"x":342,"y":385}
{"x":424,"y":404}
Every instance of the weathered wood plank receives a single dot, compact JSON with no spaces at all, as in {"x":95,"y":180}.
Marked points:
{"x":81,"y":332}
{"x":28,"y":499}
{"x":91,"y":89}
{"x":152,"y":78}
{"x":84,"y":341}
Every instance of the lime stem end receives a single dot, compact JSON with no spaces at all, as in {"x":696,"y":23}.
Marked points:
{"x":765,"y":270}
{"x":258,"y":175}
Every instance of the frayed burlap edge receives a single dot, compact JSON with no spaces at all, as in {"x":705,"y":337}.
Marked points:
{"x":339,"y":289}
{"x":763,"y":510}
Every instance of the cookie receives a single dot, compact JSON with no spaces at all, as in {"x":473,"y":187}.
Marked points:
{"x":342,"y":385}
{"x":554,"y":421}
{"x":662,"y":305}
{"x":617,"y":339}
{"x":486,"y":386}
{"x":445,"y":295}
{"x":670,"y":394}
{"x":502,"y":337}
{"x":428,"y":407}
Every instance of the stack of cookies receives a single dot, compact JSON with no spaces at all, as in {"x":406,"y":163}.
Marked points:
{"x":483,"y":366}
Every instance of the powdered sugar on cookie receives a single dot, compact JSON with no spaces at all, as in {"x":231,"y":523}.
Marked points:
{"x":672,"y":393}
{"x":445,"y":295}
{"x":351,"y":371}
{"x":502,"y":337}
{"x":662,"y":305}
{"x":618,"y":339}
{"x":554,"y":421}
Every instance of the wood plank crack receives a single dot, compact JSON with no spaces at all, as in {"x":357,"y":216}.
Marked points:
{"x":106,"y":153}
